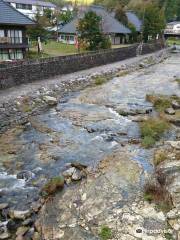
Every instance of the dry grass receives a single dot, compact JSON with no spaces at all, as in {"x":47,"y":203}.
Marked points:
{"x":160,"y":102}
{"x":157,"y":193}
{"x":159,"y":157}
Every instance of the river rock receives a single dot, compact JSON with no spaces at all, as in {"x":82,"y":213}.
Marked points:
{"x":175,"y":104}
{"x":21,"y":231}
{"x":78,"y":165}
{"x":36,"y":236}
{"x":50,"y":100}
{"x":15,"y":214}
{"x":170,"y":111}
{"x":3,"y":205}
{"x":77,"y":175}
{"x":11,"y":225}
{"x":174,"y":144}
{"x":5,"y":235}
{"x":28,"y":221}
{"x":69,"y":172}
{"x":27,"y":175}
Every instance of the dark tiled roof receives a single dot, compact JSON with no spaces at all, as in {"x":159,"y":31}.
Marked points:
{"x":109,"y":23}
{"x":133,"y":18}
{"x":10,"y":16}
{"x":33,"y":2}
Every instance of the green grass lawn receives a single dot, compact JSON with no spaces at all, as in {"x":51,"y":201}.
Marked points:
{"x":53,"y":49}
{"x":170,"y":41}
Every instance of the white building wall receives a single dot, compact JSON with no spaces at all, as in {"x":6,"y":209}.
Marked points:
{"x":31,"y":13}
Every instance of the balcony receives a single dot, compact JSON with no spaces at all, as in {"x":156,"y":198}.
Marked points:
{"x":13,"y":41}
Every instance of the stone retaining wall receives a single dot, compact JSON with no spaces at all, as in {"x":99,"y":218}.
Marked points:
{"x":12,"y":74}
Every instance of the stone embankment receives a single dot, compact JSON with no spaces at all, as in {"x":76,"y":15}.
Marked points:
{"x":19,"y":109}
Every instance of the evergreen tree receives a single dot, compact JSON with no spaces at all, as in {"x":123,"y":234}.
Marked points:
{"x":154,"y":21}
{"x":90,"y":32}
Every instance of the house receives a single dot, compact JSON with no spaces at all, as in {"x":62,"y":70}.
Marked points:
{"x":172,"y":29}
{"x":134,"y":19}
{"x":13,"y":40}
{"x":117,"y":32}
{"x":31,"y":7}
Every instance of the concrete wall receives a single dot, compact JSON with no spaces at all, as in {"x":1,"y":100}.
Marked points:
{"x":12,"y":74}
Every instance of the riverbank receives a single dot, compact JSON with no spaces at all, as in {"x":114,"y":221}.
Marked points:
{"x":91,"y":137}
{"x":18,"y":103}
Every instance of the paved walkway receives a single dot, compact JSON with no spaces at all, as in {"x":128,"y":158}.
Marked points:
{"x":25,"y":89}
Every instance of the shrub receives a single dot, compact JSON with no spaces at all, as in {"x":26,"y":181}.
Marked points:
{"x":148,"y":142}
{"x":105,"y":233}
{"x":160,"y":102}
{"x":178,"y":80}
{"x":152,"y":130}
{"x":54,"y":184}
{"x":99,"y":80}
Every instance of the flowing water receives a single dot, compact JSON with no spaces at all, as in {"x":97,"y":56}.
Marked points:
{"x":85,"y":127}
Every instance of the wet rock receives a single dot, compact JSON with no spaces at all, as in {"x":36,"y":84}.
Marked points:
{"x":50,"y":100}
{"x":5,"y":235}
{"x":36,"y":206}
{"x":175,"y":104}
{"x":27,"y":175}
{"x":77,"y":175}
{"x":170,"y":111}
{"x":174,"y":144}
{"x":21,"y":231}
{"x":36,"y":236}
{"x":3,"y":205}
{"x":79,"y":166}
{"x":28,"y":221}
{"x":11,"y":225}
{"x":133,"y":112}
{"x":15,"y":214}
{"x":69,"y":172}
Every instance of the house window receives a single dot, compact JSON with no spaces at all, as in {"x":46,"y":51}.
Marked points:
{"x":15,"y":36}
{"x":15,"y":54}
{"x":23,"y":6}
{"x":71,"y":38}
{"x":4,"y":55}
{"x":2,"y":33}
{"x":62,"y":37}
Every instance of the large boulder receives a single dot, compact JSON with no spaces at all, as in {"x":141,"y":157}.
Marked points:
{"x":52,"y":101}
{"x":22,"y":215}
{"x":170,"y":111}
{"x":175,"y":104}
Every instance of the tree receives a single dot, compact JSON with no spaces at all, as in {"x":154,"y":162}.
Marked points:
{"x":170,"y":9}
{"x":39,"y":30}
{"x":66,"y":17}
{"x":90,"y":32}
{"x":154,"y":21}
{"x":120,"y":15}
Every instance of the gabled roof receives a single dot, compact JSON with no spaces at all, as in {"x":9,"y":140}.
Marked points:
{"x":10,"y":16}
{"x":109,"y":23}
{"x":133,"y":18}
{"x":33,"y":2}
